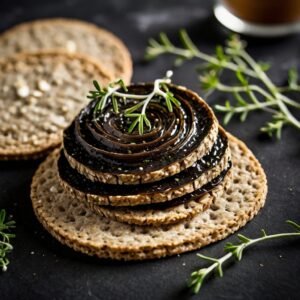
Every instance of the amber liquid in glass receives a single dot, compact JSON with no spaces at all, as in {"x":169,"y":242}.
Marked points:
{"x":266,"y":12}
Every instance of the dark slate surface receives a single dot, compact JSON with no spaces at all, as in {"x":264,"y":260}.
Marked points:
{"x":43,"y":269}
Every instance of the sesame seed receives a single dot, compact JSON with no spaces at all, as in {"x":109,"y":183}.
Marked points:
{"x":44,"y":86}
{"x":23,"y":91}
{"x":71,"y":46}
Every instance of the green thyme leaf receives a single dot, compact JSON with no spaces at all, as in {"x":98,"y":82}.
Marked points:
{"x":5,"y":237}
{"x":197,"y":277}
{"x":113,"y":95}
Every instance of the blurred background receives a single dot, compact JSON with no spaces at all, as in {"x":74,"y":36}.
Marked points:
{"x":136,"y":21}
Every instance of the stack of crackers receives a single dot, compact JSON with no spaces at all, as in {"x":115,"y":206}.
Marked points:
{"x":163,"y":194}
{"x":183,"y":185}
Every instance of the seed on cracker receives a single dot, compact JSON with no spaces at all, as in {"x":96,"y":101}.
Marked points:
{"x":36,"y":102}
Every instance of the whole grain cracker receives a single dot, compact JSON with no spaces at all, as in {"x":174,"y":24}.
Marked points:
{"x":71,"y":35}
{"x":70,"y":222}
{"x":40,"y":94}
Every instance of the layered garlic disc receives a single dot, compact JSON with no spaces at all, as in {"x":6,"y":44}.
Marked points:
{"x":179,"y":162}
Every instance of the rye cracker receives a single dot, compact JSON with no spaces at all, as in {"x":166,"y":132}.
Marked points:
{"x":40,"y":94}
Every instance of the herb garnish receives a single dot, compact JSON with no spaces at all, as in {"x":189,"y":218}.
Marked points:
{"x":137,"y":112}
{"x":234,"y":250}
{"x":5,"y":236}
{"x":249,"y":96}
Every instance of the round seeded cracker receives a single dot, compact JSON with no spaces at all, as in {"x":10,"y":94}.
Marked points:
{"x":40,"y":94}
{"x":74,"y":225}
{"x":74,"y":36}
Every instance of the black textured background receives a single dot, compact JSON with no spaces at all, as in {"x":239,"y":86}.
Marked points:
{"x":43,"y":269}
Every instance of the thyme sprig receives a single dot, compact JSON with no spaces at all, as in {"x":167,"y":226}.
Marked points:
{"x":117,"y":90}
{"x":248,"y":96}
{"x":236,"y":251}
{"x":5,"y":236}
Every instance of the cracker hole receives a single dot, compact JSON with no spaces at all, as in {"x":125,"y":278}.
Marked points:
{"x":229,"y":192}
{"x":78,"y":227}
{"x":213,"y":216}
{"x":61,"y":208}
{"x":116,"y":234}
{"x":187,"y":225}
{"x":215,"y":235}
{"x":106,"y":228}
{"x":214,"y":207}
{"x":82,"y":213}
{"x":145,"y":231}
{"x":71,"y":219}
{"x":42,"y":180}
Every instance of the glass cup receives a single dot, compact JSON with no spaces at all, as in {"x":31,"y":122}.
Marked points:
{"x":266,"y":18}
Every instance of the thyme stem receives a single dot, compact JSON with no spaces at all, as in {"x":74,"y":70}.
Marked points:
{"x":234,"y":250}
{"x":234,"y":58}
{"x":5,"y":236}
{"x":137,"y":111}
